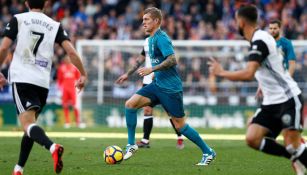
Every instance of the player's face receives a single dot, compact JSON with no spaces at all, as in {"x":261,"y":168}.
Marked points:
{"x":274,"y":30}
{"x":149,"y":24}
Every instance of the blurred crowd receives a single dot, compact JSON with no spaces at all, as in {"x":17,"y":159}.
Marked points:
{"x":183,"y":20}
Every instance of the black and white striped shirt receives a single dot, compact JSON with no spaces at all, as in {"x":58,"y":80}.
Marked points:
{"x":276,"y":83}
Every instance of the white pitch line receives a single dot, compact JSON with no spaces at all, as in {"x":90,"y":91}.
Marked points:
{"x":124,"y":135}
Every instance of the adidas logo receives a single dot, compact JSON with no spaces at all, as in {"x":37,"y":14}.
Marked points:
{"x":28,"y":104}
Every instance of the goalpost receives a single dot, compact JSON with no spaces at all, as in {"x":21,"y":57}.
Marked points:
{"x":210,"y":101}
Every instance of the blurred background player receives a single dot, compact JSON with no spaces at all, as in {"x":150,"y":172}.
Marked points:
{"x":281,"y":108}
{"x":29,"y":73}
{"x":166,"y":89}
{"x":284,"y":45}
{"x":67,"y":76}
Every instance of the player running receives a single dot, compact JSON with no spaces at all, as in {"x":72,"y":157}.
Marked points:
{"x":148,"y":110}
{"x":281,"y":109}
{"x":29,"y":74}
{"x":166,"y":89}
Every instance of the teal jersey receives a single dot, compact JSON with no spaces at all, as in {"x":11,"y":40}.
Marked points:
{"x":160,"y":47}
{"x":286,"y":48}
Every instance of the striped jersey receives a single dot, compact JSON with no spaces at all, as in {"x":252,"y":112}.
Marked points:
{"x":275,"y":81}
{"x":36,"y":35}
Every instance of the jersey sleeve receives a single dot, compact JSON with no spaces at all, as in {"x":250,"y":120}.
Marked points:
{"x":11,"y":29}
{"x":61,"y":35}
{"x":143,"y":52}
{"x":165,"y":46}
{"x":290,"y":51}
{"x":259,"y":51}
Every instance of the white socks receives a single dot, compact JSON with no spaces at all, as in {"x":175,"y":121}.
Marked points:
{"x":296,"y":152}
{"x":148,"y":117}
{"x":29,"y":128}
{"x":18,"y":168}
{"x":52,"y":148}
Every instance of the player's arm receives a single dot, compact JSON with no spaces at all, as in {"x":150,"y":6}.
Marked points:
{"x":166,"y":64}
{"x":291,"y":58}
{"x":256,"y":56}
{"x":139,"y":61}
{"x":292,"y":65}
{"x":240,"y":75}
{"x":10,"y":34}
{"x":63,"y":40}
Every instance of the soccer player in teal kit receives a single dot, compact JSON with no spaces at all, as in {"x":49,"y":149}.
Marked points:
{"x":284,"y":45}
{"x":166,"y":88}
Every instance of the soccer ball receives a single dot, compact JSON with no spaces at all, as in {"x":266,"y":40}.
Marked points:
{"x":113,"y":154}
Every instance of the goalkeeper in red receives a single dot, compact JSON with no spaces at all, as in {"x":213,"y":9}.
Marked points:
{"x":166,"y":88}
{"x":68,"y":75}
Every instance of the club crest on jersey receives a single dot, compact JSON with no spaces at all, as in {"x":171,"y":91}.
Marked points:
{"x":155,"y":61}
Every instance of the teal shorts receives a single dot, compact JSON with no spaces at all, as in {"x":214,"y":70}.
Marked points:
{"x":171,"y":102}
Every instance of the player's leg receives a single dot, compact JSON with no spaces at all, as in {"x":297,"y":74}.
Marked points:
{"x":29,"y":104}
{"x":132,"y":105}
{"x":74,"y":104}
{"x":255,"y":138}
{"x":25,"y":149}
{"x":193,"y":135}
{"x":180,"y":144}
{"x":292,"y":123}
{"x":147,"y":127}
{"x":297,"y":149}
{"x":144,"y":97}
{"x":266,"y":123}
{"x":65,"y":106}
{"x":173,"y":104}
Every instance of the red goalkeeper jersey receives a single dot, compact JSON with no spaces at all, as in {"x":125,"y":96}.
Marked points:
{"x":67,"y":76}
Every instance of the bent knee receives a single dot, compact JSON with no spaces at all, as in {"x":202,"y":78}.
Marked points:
{"x":179,"y":123}
{"x":253,"y":142}
{"x":130,"y":104}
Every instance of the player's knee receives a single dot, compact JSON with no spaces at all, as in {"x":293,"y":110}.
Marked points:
{"x":252,"y":141}
{"x":130,"y":104}
{"x":178,"y":123}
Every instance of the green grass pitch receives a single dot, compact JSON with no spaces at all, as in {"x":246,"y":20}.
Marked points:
{"x":85,"y":157}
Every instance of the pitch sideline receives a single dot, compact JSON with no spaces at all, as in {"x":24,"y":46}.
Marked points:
{"x":124,"y":135}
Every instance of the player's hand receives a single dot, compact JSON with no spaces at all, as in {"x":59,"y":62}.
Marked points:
{"x":215,"y":67}
{"x":81,"y":83}
{"x":122,"y":79}
{"x":3,"y":81}
{"x":259,"y":94}
{"x":144,"y":71}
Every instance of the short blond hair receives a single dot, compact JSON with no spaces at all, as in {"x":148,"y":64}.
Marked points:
{"x":155,"y":13}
